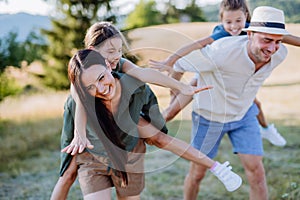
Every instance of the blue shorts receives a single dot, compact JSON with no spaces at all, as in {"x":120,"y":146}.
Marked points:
{"x":244,"y":134}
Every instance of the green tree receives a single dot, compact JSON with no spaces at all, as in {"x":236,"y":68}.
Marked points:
{"x":144,"y":14}
{"x":194,"y":12}
{"x":34,"y":47}
{"x":67,"y":34}
{"x":11,"y":51}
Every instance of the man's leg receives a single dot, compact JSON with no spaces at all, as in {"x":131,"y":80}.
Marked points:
{"x":192,"y":181}
{"x":255,"y":173}
{"x":64,"y":183}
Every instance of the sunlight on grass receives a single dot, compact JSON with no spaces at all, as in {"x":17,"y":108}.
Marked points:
{"x":32,"y":107}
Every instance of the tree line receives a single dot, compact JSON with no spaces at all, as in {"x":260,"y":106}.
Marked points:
{"x":74,"y":17}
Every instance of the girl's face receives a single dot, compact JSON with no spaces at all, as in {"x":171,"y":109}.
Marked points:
{"x":99,"y":82}
{"x":233,"y":21}
{"x":111,"y":50}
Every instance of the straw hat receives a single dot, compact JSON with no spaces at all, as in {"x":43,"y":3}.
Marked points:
{"x":267,"y":19}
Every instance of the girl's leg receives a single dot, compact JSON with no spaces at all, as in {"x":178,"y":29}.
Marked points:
{"x":64,"y":183}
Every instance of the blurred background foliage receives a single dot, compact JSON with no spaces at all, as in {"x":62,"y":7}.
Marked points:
{"x":53,"y":48}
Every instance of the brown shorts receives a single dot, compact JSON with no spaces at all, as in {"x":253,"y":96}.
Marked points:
{"x":94,"y":174}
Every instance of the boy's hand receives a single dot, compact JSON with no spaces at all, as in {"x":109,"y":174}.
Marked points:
{"x":161,"y":66}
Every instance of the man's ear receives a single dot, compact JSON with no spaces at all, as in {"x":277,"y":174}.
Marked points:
{"x":250,"y":33}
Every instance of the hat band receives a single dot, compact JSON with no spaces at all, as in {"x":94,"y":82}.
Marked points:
{"x":268,"y":24}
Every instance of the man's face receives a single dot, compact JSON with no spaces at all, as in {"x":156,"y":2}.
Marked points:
{"x":262,"y":46}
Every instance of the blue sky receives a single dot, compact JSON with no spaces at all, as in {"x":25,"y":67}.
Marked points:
{"x":40,"y":7}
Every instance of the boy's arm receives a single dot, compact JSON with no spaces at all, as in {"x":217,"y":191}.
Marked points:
{"x":183,"y":51}
{"x":291,"y":39}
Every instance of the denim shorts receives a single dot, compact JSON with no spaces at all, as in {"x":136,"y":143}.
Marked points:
{"x":244,"y":134}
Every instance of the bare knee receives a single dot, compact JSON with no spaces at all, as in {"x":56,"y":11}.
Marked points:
{"x":254,"y":170}
{"x":70,"y":174}
{"x":196,"y":173}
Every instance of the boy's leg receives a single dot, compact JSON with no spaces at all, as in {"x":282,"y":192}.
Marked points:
{"x":268,"y":132}
{"x":64,"y":183}
{"x":192,"y":181}
{"x":261,"y":117}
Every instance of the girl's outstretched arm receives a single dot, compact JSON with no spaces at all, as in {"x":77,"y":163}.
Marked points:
{"x":149,"y":75}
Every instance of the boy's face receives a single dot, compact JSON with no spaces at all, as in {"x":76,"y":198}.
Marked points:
{"x":111,"y":50}
{"x":233,"y":21}
{"x":99,"y":82}
{"x":262,"y":46}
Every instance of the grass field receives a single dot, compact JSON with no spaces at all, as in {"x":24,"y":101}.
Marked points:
{"x":30,"y":133}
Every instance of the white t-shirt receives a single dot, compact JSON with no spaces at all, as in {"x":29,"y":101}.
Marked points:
{"x":226,"y":66}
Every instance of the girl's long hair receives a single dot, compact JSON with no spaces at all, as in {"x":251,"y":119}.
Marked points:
{"x":99,"y":116}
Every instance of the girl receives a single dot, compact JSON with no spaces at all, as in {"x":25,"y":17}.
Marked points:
{"x":234,"y":16}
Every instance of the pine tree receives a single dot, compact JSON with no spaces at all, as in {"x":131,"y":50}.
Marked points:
{"x":69,"y":26}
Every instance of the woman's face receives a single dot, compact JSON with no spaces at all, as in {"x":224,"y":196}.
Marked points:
{"x":99,"y":82}
{"x":234,"y":21}
{"x":111,"y":50}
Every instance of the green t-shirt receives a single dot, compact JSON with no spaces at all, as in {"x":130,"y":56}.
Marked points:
{"x":137,"y":99}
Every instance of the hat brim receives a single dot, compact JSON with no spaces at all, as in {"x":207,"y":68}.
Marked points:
{"x":276,"y":31}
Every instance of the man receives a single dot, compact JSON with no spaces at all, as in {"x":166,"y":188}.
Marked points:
{"x":236,"y":67}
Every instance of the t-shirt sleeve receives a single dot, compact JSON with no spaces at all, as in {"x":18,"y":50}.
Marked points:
{"x":219,"y":32}
{"x":151,"y":113}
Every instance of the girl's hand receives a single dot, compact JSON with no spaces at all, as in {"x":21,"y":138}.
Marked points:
{"x":78,"y":144}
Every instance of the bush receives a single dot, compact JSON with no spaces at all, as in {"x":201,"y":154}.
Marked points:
{"x":8,"y":86}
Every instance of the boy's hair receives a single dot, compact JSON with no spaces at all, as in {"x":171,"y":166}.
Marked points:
{"x":233,"y":5}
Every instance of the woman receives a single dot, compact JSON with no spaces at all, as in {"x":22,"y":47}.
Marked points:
{"x":114,"y":103}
